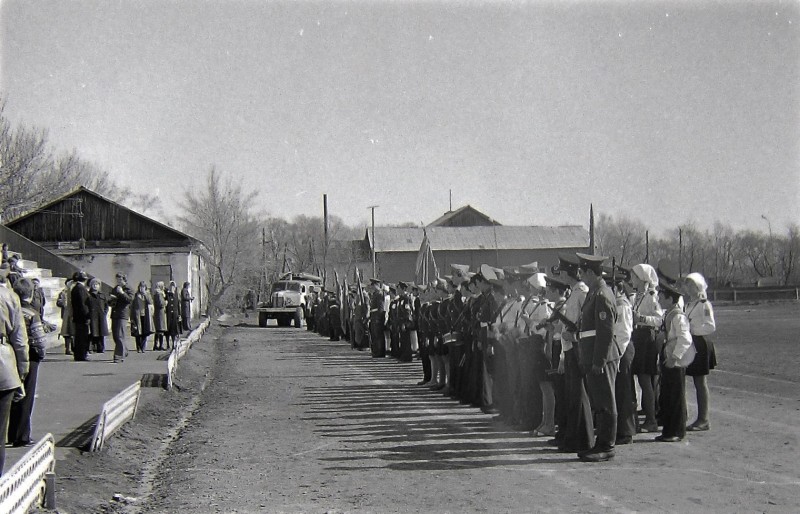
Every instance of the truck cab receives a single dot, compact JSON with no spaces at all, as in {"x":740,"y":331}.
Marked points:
{"x":289,"y":299}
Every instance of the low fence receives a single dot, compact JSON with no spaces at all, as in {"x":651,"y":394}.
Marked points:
{"x":752,"y":294}
{"x":180,"y":349}
{"x":31,"y":480}
{"x":114,"y":413}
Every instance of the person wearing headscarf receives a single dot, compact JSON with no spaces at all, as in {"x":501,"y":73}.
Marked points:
{"x":173,"y":312}
{"x":141,"y":325}
{"x":647,"y":318}
{"x":159,"y":315}
{"x":701,"y":321}
{"x":98,"y":313}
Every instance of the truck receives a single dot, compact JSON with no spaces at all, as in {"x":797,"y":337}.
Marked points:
{"x":289,"y":299}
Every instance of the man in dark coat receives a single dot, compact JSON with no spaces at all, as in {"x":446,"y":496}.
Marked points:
{"x":79,"y":296}
{"x":121,"y":298}
{"x":599,"y":356}
{"x":377,"y":319}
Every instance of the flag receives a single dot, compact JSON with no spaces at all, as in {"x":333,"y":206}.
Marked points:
{"x":425,"y":267}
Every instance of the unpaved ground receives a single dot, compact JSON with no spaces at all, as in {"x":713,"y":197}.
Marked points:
{"x":291,"y":422}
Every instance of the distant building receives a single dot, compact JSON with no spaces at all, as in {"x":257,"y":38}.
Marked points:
{"x":104,"y":237}
{"x":466,"y":236}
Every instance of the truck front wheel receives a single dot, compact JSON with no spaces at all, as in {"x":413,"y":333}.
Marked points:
{"x":262,"y":319}
{"x":298,"y":317}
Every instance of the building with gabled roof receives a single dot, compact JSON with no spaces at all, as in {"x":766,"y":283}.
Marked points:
{"x":104,"y":237}
{"x":466,"y":216}
{"x":454,"y":241}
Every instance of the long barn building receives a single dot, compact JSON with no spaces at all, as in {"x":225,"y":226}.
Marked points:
{"x":104,"y":237}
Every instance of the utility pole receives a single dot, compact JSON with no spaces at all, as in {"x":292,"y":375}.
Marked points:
{"x":325,"y":247}
{"x":374,"y":262}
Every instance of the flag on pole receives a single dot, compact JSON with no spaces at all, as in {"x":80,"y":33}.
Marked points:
{"x":425,"y":268}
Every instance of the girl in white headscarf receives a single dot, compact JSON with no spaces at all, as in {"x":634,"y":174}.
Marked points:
{"x":647,"y":318}
{"x":701,"y":320}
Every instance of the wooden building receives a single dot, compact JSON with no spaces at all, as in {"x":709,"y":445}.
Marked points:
{"x":104,"y":237}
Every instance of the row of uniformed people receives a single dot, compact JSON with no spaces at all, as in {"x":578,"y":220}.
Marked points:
{"x":554,"y":352}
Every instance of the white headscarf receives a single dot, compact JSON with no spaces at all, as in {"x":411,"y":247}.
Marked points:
{"x":537,"y":280}
{"x":699,"y":282}
{"x":646,"y":274}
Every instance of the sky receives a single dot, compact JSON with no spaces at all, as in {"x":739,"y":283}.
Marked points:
{"x":667,"y":112}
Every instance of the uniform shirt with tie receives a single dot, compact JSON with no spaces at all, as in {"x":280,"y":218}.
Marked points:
{"x":572,"y":311}
{"x":646,"y":310}
{"x":701,"y":317}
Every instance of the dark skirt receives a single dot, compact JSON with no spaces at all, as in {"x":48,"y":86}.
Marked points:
{"x":645,"y":359}
{"x":706,"y":358}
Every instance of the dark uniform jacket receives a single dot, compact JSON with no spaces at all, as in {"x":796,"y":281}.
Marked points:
{"x":599,"y":312}
{"x":79,"y":296}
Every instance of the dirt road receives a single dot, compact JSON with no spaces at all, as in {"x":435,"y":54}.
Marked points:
{"x":291,"y":422}
{"x":294,"y":423}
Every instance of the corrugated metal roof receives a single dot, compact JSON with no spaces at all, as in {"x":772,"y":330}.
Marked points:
{"x":403,"y":239}
{"x":507,"y":238}
{"x":396,"y":239}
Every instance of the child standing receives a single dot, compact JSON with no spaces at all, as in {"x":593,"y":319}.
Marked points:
{"x":677,"y":354}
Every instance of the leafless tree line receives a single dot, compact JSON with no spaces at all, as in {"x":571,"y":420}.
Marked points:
{"x":33,"y":172}
{"x":723,"y":255}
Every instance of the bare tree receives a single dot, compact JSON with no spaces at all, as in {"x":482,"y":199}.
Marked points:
{"x":622,"y":238}
{"x":220,"y":215}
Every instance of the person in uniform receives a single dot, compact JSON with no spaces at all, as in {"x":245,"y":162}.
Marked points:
{"x":678,"y":352}
{"x":647,"y":318}
{"x":623,"y":387}
{"x":491,"y":300}
{"x":701,"y":324}
{"x":599,"y":356}
{"x":577,"y":433}
{"x":377,"y":318}
{"x":405,"y":321}
{"x":536,"y":358}
{"x":554,"y":405}
{"x":454,"y":337}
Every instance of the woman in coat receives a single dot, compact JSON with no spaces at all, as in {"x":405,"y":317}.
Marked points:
{"x":141,"y":325}
{"x":159,"y":316}
{"x":98,"y":317}
{"x":186,"y":307}
{"x":67,"y":327}
{"x":173,"y":312}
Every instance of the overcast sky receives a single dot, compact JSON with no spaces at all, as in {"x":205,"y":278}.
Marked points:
{"x":529,"y":111}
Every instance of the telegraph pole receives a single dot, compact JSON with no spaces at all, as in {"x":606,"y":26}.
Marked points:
{"x":374,"y":263}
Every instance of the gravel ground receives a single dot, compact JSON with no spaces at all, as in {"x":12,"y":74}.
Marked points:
{"x":291,"y":422}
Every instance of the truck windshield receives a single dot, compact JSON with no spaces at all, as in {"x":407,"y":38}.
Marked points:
{"x":286,"y":286}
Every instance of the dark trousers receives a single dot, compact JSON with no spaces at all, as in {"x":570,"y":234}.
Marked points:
{"x":604,"y":405}
{"x":424,"y":354}
{"x":98,"y":344}
{"x":672,"y":401}
{"x":118,"y":334}
{"x":456,"y":371}
{"x":530,"y":355}
{"x":500,"y":396}
{"x":19,"y":425}
{"x":624,"y":394}
{"x":405,"y":346}
{"x":377,"y":338}
{"x":5,"y":412}
{"x":579,"y":427}
{"x":81,"y":341}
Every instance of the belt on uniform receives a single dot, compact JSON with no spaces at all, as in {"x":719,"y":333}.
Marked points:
{"x":587,"y":333}
{"x":373,"y":310}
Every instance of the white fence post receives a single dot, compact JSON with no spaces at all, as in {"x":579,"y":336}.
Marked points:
{"x":30,"y":480}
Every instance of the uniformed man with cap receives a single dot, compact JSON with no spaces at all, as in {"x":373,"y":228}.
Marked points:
{"x":491,"y":300}
{"x":599,"y":356}
{"x":405,"y":321}
{"x":577,"y":434}
{"x":377,"y":318}
{"x":455,"y":326}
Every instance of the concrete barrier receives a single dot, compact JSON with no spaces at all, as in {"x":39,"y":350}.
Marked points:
{"x":114,"y":413}
{"x":180,"y":349}
{"x":31,"y":480}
